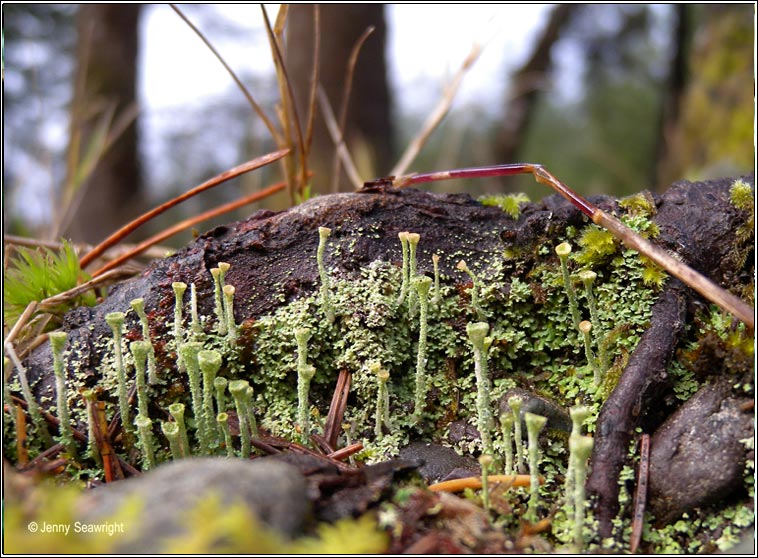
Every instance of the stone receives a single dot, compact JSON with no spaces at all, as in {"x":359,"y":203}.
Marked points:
{"x":696,"y":457}
{"x":557,"y":417}
{"x":438,"y":461}
{"x":272,"y":491}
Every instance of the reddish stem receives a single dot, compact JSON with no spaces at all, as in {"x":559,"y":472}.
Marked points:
{"x":144,"y":218}
{"x":640,"y":495}
{"x":539,"y":172}
{"x":178,"y":227}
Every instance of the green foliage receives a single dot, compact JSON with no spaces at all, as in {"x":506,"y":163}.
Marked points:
{"x":39,"y":525}
{"x":509,"y":203}
{"x":652,"y":275}
{"x":34,"y":275}
{"x":347,"y":536}
{"x":214,"y":528}
{"x":597,"y":246}
{"x":639,"y":204}
{"x":743,"y":198}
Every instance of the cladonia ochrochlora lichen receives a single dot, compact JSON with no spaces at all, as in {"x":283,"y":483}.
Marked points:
{"x":363,"y":318}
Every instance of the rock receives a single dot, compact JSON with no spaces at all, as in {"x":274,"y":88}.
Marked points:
{"x":274,"y":492}
{"x":696,"y":457}
{"x":557,"y":417}
{"x":462,"y":431}
{"x":438,"y":461}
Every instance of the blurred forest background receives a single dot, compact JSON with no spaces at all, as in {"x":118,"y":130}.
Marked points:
{"x":611,"y":98}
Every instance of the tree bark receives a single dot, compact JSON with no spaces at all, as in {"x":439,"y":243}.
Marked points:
{"x":107,"y":50}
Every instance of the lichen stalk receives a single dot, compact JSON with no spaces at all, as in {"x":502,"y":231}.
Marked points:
{"x":506,"y":424}
{"x":179,"y":289}
{"x":219,"y":384}
{"x":196,"y":325}
{"x":580,"y":448}
{"x":534,"y":425}
{"x":421,"y":285}
{"x":7,"y":396}
{"x":485,"y":461}
{"x":251,"y":421}
{"x":177,"y":412}
{"x":139,"y":351}
{"x":218,"y":301}
{"x":145,"y":433}
{"x":92,"y":449}
{"x":222,"y":420}
{"x":304,"y":377}
{"x":515,"y":403}
{"x":116,"y":322}
{"x":477,"y":334}
{"x":413,"y":240}
{"x":475,"y":286}
{"x":210,"y":363}
{"x":40,"y":426}
{"x":58,"y":342}
{"x":585,"y":327}
{"x":302,"y":336}
{"x":171,"y":432}
{"x":588,"y":278}
{"x":579,"y":414}
{"x":563,"y":250}
{"x":238,"y":389}
{"x":382,"y":401}
{"x":436,"y":298}
{"x":405,"y":280}
{"x":305,"y":373}
{"x":138,"y":305}
{"x":231,"y":326}
{"x":189,"y":352}
{"x":326,"y":304}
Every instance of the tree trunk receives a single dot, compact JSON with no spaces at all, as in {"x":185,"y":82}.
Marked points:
{"x":107,"y":48}
{"x":368,"y":125}
{"x":713,"y":131}
{"x":526,"y":84}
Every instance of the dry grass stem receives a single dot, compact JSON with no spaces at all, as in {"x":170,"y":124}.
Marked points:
{"x":290,"y":112}
{"x":475,"y":483}
{"x":256,"y":107}
{"x":337,"y":138}
{"x":314,"y":76}
{"x":348,"y":86}
{"x":436,"y":116}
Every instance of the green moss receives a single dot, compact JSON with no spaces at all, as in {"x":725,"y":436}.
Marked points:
{"x":509,"y":203}
{"x":36,"y":274}
{"x":597,"y":244}
{"x":639,"y":204}
{"x":742,"y":197}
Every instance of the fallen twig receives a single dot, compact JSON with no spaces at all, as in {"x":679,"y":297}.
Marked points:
{"x":333,"y":425}
{"x":640,"y":494}
{"x":475,"y":483}
{"x":436,"y":116}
